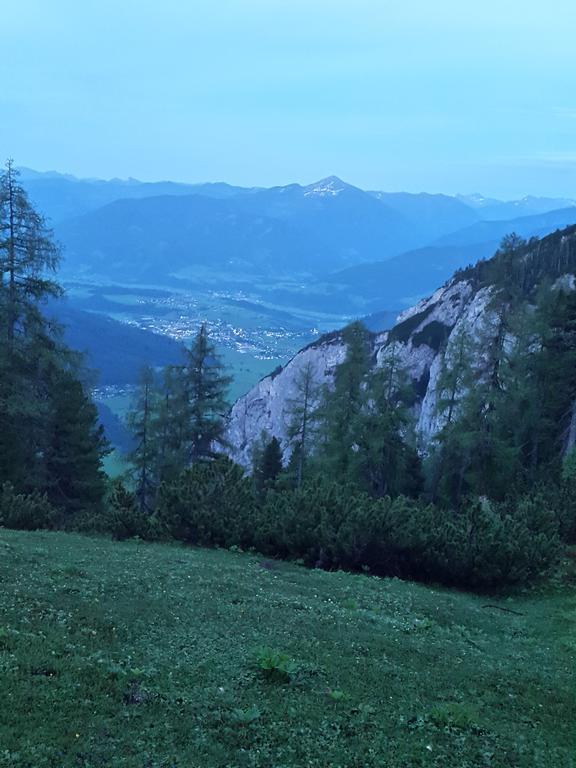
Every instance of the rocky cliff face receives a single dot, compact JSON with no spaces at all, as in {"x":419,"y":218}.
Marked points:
{"x":266,"y":407}
{"x":423,"y":336}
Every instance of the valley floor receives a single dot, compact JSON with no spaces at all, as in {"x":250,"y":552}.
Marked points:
{"x":144,"y":655}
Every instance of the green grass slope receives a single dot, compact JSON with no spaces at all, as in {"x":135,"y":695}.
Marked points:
{"x":144,"y":655}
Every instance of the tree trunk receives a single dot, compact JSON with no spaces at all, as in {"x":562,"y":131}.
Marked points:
{"x":571,"y":437}
{"x":11,"y":319}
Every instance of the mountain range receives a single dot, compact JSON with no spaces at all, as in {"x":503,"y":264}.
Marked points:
{"x":164,"y":231}
{"x":329,"y":245}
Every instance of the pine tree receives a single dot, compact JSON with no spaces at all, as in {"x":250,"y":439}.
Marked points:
{"x":449,"y":458}
{"x":190,"y":417}
{"x":456,"y":375}
{"x":386,"y":459}
{"x":474,"y":455}
{"x":553,"y":369}
{"x":27,"y":255}
{"x":206,"y":387}
{"x":144,"y":459}
{"x":75,"y":480}
{"x":170,"y":424}
{"x":302,"y":418}
{"x":50,"y":440}
{"x":27,"y":341}
{"x":342,"y":405}
{"x":271,"y":463}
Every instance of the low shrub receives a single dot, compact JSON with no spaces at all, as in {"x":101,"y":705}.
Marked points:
{"x":26,"y":512}
{"x":482,"y":546}
{"x":125,"y":520}
{"x":209,"y":504}
{"x":332,"y":526}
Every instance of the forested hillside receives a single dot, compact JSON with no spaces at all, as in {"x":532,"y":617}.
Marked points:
{"x":441,"y":450}
{"x":51,"y":445}
{"x":437,"y":450}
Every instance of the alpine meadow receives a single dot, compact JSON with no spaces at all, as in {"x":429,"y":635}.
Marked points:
{"x":287,"y":467}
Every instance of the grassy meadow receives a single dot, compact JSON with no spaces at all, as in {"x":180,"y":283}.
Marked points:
{"x":149,"y":656}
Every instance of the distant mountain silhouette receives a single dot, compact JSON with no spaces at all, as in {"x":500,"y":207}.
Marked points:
{"x":347,"y":249}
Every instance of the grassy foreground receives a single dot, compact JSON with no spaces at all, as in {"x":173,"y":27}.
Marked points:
{"x":144,"y":655}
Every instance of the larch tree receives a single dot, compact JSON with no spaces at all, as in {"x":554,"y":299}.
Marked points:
{"x":386,"y":460}
{"x":302,"y":413}
{"x":205,"y":386}
{"x":28,"y":255}
{"x":50,"y":438}
{"x":342,"y":404}
{"x":144,"y":456}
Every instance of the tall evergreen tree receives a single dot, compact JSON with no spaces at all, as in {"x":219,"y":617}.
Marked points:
{"x":268,"y":465}
{"x":386,"y":459}
{"x":144,"y":457}
{"x":342,"y":405}
{"x":50,"y":439}
{"x":170,"y":424}
{"x":27,"y":341}
{"x":206,"y":387}
{"x":303,"y":418}
{"x":27,"y":255}
{"x":75,"y":480}
{"x":187,"y":420}
{"x":554,"y":375}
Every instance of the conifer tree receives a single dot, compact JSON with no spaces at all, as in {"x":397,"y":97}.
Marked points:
{"x":267,"y":464}
{"x":189,"y":418}
{"x":302,"y":418}
{"x":50,"y":439}
{"x":170,"y":424}
{"x":144,"y":458}
{"x":271,"y":465}
{"x":75,"y":480}
{"x":386,"y":458}
{"x":27,"y":341}
{"x":27,"y":255}
{"x":342,"y":405}
{"x":554,"y":376}
{"x":205,"y":386}
{"x":456,"y":375}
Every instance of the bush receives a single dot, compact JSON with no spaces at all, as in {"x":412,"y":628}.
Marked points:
{"x":324,"y":524}
{"x":483,"y":546}
{"x":333,"y":526}
{"x":124,"y":519}
{"x":211,"y":504}
{"x":26,"y":512}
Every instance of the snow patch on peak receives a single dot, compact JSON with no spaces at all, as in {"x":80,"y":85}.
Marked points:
{"x":328,"y":187}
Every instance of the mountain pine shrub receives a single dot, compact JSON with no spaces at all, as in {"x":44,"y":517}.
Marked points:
{"x":209,"y":504}
{"x":25,"y":512}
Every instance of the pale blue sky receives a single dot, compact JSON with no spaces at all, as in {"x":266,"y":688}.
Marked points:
{"x":413,"y":95}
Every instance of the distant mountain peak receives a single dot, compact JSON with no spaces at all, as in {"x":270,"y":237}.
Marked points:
{"x":476,"y":200}
{"x":328,"y":187}
{"x":28,"y":174}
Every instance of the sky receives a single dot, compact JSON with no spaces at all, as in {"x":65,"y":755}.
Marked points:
{"x":413,"y":95}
